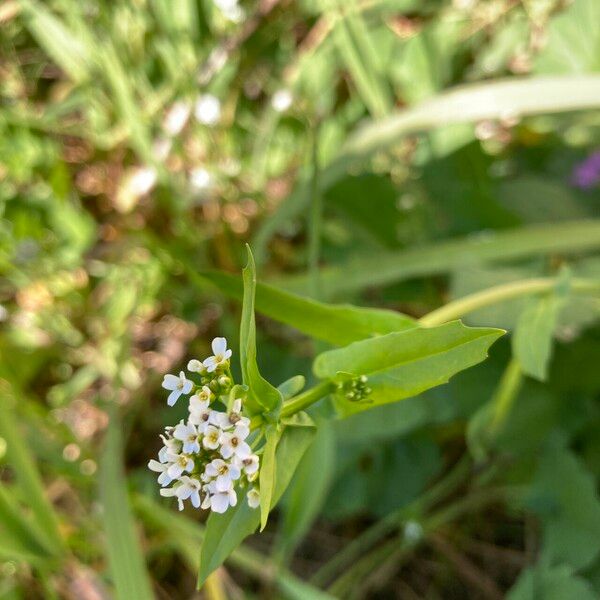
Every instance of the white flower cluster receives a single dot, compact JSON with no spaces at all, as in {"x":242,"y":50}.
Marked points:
{"x":205,"y":458}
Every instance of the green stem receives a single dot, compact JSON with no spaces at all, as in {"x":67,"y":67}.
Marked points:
{"x":314,"y":224}
{"x":505,"y":395}
{"x":303,"y":401}
{"x":499,"y":293}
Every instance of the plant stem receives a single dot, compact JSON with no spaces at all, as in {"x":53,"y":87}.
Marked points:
{"x":303,"y":401}
{"x":499,"y":293}
{"x":505,"y":395}
{"x":315,"y":218}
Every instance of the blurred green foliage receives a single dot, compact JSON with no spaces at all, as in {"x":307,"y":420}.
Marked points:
{"x":452,"y":145}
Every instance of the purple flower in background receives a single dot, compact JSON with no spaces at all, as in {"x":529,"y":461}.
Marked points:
{"x":586,"y":174}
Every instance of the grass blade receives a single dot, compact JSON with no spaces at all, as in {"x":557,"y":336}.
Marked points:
{"x":125,"y":558}
{"x":443,"y":257}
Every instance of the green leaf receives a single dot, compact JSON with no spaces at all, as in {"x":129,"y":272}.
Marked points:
{"x":260,"y":392}
{"x":532,"y":340}
{"x":464,"y":104}
{"x":337,"y":324}
{"x":447,"y":256}
{"x":125,"y":559}
{"x":292,"y":386}
{"x":403,"y":364}
{"x":551,"y":583}
{"x":564,"y":495}
{"x":573,"y":43}
{"x":224,"y":532}
{"x":308,"y":491}
{"x":267,"y":473}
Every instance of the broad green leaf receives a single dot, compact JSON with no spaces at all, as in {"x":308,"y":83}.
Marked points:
{"x":224,"y":532}
{"x":551,"y":583}
{"x":125,"y":558}
{"x":465,"y":104}
{"x":443,"y":257}
{"x":403,"y":364}
{"x":19,"y":457}
{"x":563,"y":494}
{"x":533,"y":336}
{"x":260,"y":392}
{"x":337,"y":324}
{"x":292,"y":386}
{"x":267,"y":473}
{"x":573,"y":42}
{"x":308,"y":491}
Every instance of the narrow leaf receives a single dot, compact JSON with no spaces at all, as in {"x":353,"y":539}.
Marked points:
{"x":267,"y":473}
{"x":337,"y":324}
{"x":260,"y":393}
{"x":532,"y":340}
{"x":125,"y":558}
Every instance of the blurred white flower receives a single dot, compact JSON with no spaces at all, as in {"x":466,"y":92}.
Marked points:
{"x":137,"y":182}
{"x":178,"y":386}
{"x":190,"y":488}
{"x":282,"y":100}
{"x":249,"y":464}
{"x":161,"y":148}
{"x":253,"y":497}
{"x":176,"y":118}
{"x":208,"y":110}
{"x":231,"y":10}
{"x":200,"y":179}
{"x":3,"y":313}
{"x":220,"y":357}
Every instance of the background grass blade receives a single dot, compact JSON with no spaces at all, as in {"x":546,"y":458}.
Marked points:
{"x":443,"y":257}
{"x":470,"y":103}
{"x":19,"y":457}
{"x":125,"y":557}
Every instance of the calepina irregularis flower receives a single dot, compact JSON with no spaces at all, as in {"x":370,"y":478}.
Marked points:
{"x":207,"y":458}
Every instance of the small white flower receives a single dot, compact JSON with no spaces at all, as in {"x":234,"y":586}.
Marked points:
{"x":232,"y":444}
{"x":224,"y":473}
{"x":221,"y":501}
{"x":201,"y":415}
{"x":136,"y":182}
{"x":221,"y":354}
{"x":171,"y":446}
{"x":253,"y":496}
{"x":235,"y":419}
{"x":249,"y":464}
{"x":157,"y":467}
{"x":211,"y":438}
{"x":208,"y":110}
{"x":178,"y":385}
{"x":189,"y":488}
{"x":188,"y":434}
{"x":179,"y":464}
{"x":177,"y":116}
{"x":195,"y":366}
{"x":282,"y":100}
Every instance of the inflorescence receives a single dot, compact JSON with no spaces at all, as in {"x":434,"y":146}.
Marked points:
{"x":206,"y":457}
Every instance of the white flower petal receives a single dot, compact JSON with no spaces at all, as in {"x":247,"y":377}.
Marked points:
{"x":219,"y":345}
